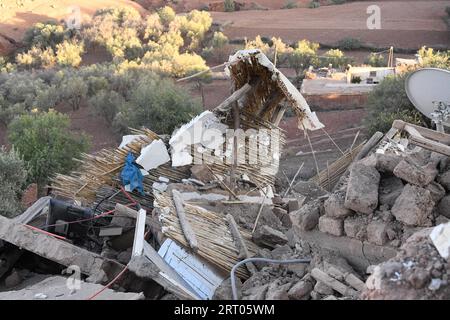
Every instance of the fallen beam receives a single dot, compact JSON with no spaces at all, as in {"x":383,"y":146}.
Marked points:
{"x":240,"y":243}
{"x":185,"y":225}
{"x":235,"y":96}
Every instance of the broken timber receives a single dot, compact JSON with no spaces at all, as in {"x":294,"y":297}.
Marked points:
{"x":240,"y":243}
{"x":235,"y":96}
{"x":185,"y":225}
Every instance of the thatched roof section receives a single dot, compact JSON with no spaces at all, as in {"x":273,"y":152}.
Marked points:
{"x":269,"y":88}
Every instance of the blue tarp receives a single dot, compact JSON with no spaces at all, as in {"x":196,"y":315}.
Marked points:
{"x":132,"y":175}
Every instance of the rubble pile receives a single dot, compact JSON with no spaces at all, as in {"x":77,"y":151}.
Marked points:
{"x":417,"y":272}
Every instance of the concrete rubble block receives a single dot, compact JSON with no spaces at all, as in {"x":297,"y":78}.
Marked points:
{"x":386,"y":162}
{"x":301,"y":290}
{"x":355,"y":282}
{"x":376,"y":233}
{"x":355,"y":227}
{"x":362,"y":189}
{"x":295,"y":204}
{"x":277,"y":292}
{"x":390,"y":189}
{"x":268,"y":237}
{"x":322,"y":288}
{"x":201,"y":172}
{"x":436,"y":190}
{"x":414,"y":174}
{"x":443,"y":207}
{"x":334,"y":206}
{"x":256,"y":293}
{"x":283,"y":215}
{"x":444,"y":180}
{"x":336,"y":285}
{"x":414,"y":206}
{"x":307,"y":217}
{"x":331,"y":225}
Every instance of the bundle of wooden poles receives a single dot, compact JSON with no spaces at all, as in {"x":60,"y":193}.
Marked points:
{"x":330,"y":176}
{"x":215,"y":239}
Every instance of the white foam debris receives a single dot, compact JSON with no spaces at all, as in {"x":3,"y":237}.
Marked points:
{"x":440,"y":236}
{"x":153,"y":155}
{"x":129,"y":138}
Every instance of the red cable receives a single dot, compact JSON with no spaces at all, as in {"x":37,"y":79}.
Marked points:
{"x":45,"y":232}
{"x":127,"y":195}
{"x":109,"y":284}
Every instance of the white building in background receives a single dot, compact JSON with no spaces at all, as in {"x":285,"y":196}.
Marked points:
{"x":368,"y":75}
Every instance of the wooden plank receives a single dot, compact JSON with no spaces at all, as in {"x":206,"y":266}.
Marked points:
{"x":425,"y":132}
{"x":240,"y":243}
{"x":235,"y":96}
{"x":138,"y":242}
{"x":273,"y":100}
{"x":319,"y":275}
{"x":185,"y":225}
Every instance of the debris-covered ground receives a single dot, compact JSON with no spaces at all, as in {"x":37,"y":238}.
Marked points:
{"x":134,"y":222}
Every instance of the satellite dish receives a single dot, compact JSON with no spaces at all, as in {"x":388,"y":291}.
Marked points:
{"x":428,"y":90}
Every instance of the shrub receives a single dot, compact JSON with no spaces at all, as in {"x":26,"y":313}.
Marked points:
{"x":106,"y":104}
{"x":219,"y":40}
{"x":387,"y":102}
{"x":290,"y":4}
{"x":303,"y":56}
{"x":258,"y":43}
{"x":375,"y":60}
{"x":167,"y":15}
{"x":36,"y":58}
{"x":46,"y":144}
{"x":349,"y":44}
{"x":74,"y":89}
{"x":356,"y":80}
{"x":336,"y":58}
{"x":229,"y":5}
{"x":68,"y":53}
{"x":44,"y":35}
{"x":158,"y":105}
{"x":13,"y":175}
{"x":435,"y":59}
{"x":195,"y":26}
{"x":314,"y":4}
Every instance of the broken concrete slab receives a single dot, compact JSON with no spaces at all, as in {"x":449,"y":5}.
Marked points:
{"x":54,"y":249}
{"x":331,"y":225}
{"x":362,"y":189}
{"x":283,"y":215}
{"x":414,"y":174}
{"x":56,"y":288}
{"x":268,"y":237}
{"x":414,"y":206}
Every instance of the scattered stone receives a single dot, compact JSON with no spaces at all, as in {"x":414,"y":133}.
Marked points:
{"x":301,"y":290}
{"x":223,"y":291}
{"x":376,"y":233}
{"x":386,"y":162}
{"x":331,"y":225}
{"x":322,"y":288}
{"x":355,"y":227}
{"x":307,"y":217}
{"x":414,"y":174}
{"x":362,"y":189}
{"x":13,"y":280}
{"x":277,"y":292}
{"x":283,"y":216}
{"x":124,"y":257}
{"x":334,"y":206}
{"x":443,"y":207}
{"x":414,"y":206}
{"x":256,"y":293}
{"x":355,"y":282}
{"x":444,"y":180}
{"x":201,"y":172}
{"x":295,"y":204}
{"x":436,"y":190}
{"x":268,"y":237}
{"x":390,"y":190}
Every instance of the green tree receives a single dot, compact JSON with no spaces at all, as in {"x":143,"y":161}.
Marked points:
{"x":46,"y":144}
{"x":303,"y":56}
{"x":167,"y":15}
{"x":387,"y":102}
{"x":157,"y":104}
{"x":74,"y":89}
{"x":375,"y":60}
{"x":436,"y":59}
{"x":46,"y":34}
{"x":68,"y":53}
{"x":106,"y":104}
{"x":13,"y":175}
{"x":336,"y":58}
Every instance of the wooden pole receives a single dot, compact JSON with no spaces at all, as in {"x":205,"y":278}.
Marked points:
{"x":185,"y":225}
{"x":240,"y":243}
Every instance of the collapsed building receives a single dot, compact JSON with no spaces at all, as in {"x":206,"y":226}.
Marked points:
{"x":142,"y":217}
